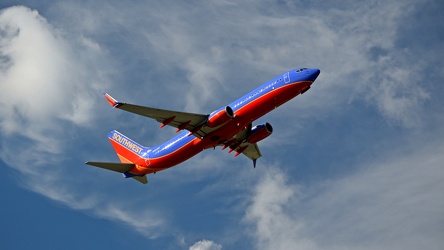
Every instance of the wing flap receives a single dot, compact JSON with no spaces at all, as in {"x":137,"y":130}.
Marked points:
{"x":241,"y":146}
{"x":252,"y":151}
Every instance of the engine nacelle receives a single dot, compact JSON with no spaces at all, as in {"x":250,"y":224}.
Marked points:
{"x":220,"y":117}
{"x":260,"y":132}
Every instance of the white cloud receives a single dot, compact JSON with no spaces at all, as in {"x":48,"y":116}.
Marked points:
{"x":147,"y":222}
{"x":220,"y":56}
{"x":48,"y":82}
{"x":48,"y":75}
{"x":394,"y":203}
{"x":274,"y":226}
{"x":42,"y":82}
{"x":205,"y":245}
{"x":398,"y":95}
{"x":30,"y":86}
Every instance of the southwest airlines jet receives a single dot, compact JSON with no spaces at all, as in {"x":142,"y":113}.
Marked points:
{"x":229,"y":127}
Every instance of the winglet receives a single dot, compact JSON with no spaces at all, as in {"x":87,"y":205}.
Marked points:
{"x":113,"y":102}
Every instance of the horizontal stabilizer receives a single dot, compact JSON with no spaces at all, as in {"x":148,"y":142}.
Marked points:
{"x":141,"y":179}
{"x":116,"y":167}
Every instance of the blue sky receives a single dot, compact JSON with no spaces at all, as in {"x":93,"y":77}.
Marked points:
{"x":355,"y":163}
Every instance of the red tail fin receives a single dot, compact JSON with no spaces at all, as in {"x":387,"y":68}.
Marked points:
{"x":127,"y":150}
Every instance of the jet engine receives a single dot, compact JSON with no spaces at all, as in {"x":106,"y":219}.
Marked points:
{"x":260,"y":132}
{"x":220,"y":117}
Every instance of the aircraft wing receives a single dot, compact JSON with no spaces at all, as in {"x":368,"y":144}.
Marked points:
{"x":251,"y":151}
{"x":180,"y":120}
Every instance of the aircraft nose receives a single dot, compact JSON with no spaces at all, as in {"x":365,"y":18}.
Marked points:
{"x":313,"y":74}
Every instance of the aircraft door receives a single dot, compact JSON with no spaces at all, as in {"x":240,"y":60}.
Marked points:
{"x":287,"y":77}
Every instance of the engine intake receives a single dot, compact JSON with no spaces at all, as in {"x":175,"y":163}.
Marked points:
{"x":260,"y":132}
{"x":220,"y":117}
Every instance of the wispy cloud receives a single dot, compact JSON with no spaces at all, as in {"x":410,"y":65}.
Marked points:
{"x":348,"y":41}
{"x":194,"y":58}
{"x":274,"y":226}
{"x":42,"y":82}
{"x":205,"y":245}
{"x":47,"y":90}
{"x":392,"y":203}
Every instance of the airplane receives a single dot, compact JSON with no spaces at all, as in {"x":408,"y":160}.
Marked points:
{"x":229,"y":127}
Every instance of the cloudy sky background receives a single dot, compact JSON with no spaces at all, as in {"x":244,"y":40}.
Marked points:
{"x":355,"y":163}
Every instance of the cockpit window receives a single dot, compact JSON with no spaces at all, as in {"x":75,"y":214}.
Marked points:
{"x":300,"y":70}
